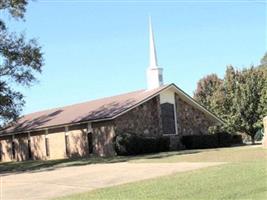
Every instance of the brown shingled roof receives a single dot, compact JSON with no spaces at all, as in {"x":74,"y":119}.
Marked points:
{"x":101,"y":109}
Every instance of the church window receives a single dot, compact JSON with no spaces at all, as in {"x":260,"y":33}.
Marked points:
{"x":168,"y":118}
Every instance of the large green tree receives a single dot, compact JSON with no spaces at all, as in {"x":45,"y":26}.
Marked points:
{"x":206,"y":89}
{"x":247,"y":102}
{"x":263,"y":100}
{"x":240,"y":99}
{"x":20,"y":60}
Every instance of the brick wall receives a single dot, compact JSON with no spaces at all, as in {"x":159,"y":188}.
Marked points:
{"x":103,"y":135}
{"x":102,"y":142}
{"x":21,"y":147}
{"x":38,"y":145}
{"x":191,"y":120}
{"x":6,"y":148}
{"x":78,"y":141}
{"x":144,"y":119}
{"x":57,"y":146}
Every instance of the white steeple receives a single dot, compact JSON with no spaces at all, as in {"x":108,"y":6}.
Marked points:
{"x":152,"y":48}
{"x":154,"y":72}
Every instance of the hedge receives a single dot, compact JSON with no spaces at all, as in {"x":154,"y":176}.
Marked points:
{"x":133,"y":144}
{"x":222,"y":139}
{"x":237,"y":139}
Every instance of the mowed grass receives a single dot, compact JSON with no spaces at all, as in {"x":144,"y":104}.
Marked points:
{"x":234,"y":154}
{"x":243,"y":177}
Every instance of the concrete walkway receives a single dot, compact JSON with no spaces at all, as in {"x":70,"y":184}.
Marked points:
{"x":64,"y":181}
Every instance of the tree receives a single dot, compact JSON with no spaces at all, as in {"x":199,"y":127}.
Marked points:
{"x":227,"y":108}
{"x":206,"y":89}
{"x":247,"y":102}
{"x":20,"y":60}
{"x":264,"y":59}
{"x":240,"y":99}
{"x":263,"y":99}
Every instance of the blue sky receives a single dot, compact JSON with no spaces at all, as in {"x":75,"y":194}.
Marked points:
{"x":94,"y":49}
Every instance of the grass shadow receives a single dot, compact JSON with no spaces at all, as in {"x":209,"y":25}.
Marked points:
{"x":43,"y":165}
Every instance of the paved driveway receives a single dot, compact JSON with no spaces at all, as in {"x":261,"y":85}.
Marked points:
{"x":69,"y":180}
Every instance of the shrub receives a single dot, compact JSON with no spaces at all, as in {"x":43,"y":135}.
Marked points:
{"x":237,"y":139}
{"x":220,"y":139}
{"x":126,"y":144}
{"x":164,"y":144}
{"x":200,"y":141}
{"x":133,"y":144}
{"x":224,"y":139}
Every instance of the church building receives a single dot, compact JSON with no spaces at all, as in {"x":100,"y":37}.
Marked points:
{"x":90,"y":127}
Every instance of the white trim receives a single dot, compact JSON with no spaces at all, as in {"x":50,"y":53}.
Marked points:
{"x":46,"y":133}
{"x":168,"y":134}
{"x":66,"y":130}
{"x":89,"y":128}
{"x":168,"y":96}
{"x":175,"y":117}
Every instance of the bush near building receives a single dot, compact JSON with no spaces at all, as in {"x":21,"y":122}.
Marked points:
{"x":133,"y":144}
{"x":221,"y":139}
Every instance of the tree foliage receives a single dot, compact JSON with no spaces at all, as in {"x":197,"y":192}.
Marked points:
{"x":20,"y":60}
{"x":240,"y":98}
{"x":206,"y":89}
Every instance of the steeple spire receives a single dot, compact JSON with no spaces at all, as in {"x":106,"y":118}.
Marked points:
{"x":154,"y":72}
{"x":152,"y":48}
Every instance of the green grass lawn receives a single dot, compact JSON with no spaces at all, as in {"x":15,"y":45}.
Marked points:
{"x":243,"y":177}
{"x":234,"y":154}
